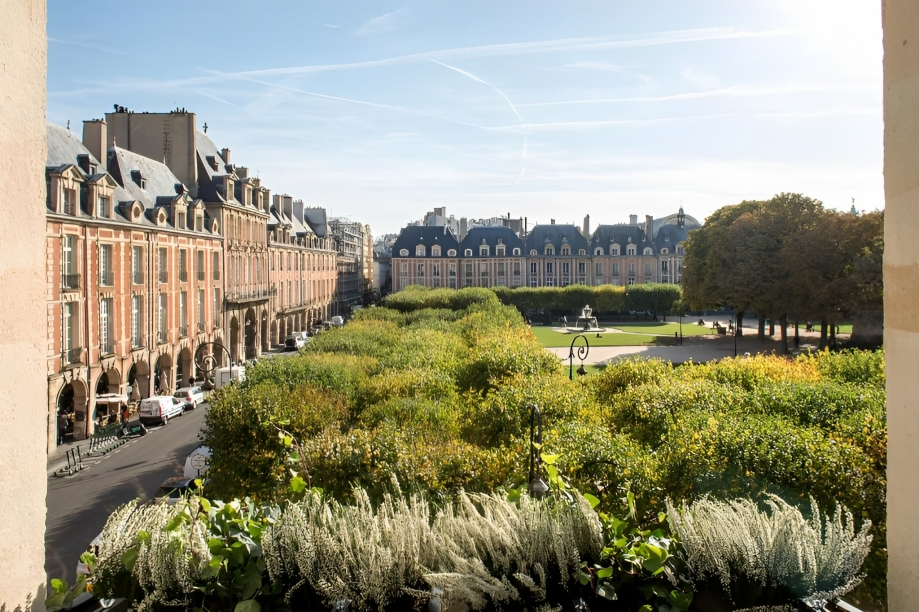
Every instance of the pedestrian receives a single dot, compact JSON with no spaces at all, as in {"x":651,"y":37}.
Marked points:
{"x":124,"y":413}
{"x":61,"y":427}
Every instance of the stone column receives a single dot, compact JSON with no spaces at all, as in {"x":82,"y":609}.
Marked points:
{"x":901,"y":296}
{"x":23,"y":348}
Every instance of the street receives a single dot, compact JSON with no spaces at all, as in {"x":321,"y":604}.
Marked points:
{"x":79,"y":505}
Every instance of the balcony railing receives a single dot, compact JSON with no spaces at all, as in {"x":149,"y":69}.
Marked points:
{"x":73,"y":355}
{"x":137,"y":342}
{"x":201,"y":274}
{"x":137,"y":278}
{"x":163,"y":277}
{"x":183,"y":276}
{"x":107,"y":347}
{"x":244,"y":295}
{"x":107,"y":278}
{"x":162,"y":337}
{"x":70,"y":281}
{"x":183,"y":331}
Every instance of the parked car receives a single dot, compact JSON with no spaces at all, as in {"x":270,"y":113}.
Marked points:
{"x":160,"y":408}
{"x":294,"y":342}
{"x":191,"y":396}
{"x":337,"y":321}
{"x":93,"y":548}
{"x":173,"y":489}
{"x":197,"y":462}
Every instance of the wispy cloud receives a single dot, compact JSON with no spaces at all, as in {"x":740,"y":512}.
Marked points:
{"x":328,"y":25}
{"x":100,"y":49}
{"x":378,"y":25}
{"x":732,"y":91}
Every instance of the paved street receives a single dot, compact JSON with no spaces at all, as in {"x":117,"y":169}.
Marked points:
{"x":78,"y":505}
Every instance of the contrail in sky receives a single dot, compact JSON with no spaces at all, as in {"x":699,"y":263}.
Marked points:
{"x":502,"y":94}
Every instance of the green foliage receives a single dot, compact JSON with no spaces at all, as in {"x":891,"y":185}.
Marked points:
{"x":439,"y":398}
{"x":654,"y":298}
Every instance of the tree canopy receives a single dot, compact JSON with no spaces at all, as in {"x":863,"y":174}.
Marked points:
{"x":786,"y":257}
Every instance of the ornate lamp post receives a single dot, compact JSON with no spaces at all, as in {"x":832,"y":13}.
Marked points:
{"x":535,"y":484}
{"x":206,"y":359}
{"x":582,"y":352}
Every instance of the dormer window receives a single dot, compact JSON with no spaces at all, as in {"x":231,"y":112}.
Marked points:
{"x":468,"y":253}
{"x":566,"y":250}
{"x":630,"y":249}
{"x":435,"y":251}
{"x":664,"y":251}
{"x":403,"y":252}
{"x":533,"y":253}
{"x":516,"y":252}
{"x":104,"y":207}
{"x":582,"y":252}
{"x":648,"y":251}
{"x":499,"y":250}
{"x":419,"y":250}
{"x":212,"y":162}
{"x":679,"y":250}
{"x":68,"y":201}
{"x":451,"y":253}
{"x":550,"y":250}
{"x":483,"y":251}
{"x":138,"y":179}
{"x":598,"y":251}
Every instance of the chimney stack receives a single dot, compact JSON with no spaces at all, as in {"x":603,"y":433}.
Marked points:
{"x":225,"y":154}
{"x":95,"y":138}
{"x":649,"y":227}
{"x":633,"y":219}
{"x":587,"y":226}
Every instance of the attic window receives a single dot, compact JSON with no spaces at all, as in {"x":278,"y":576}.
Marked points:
{"x":664,"y":251}
{"x":483,"y":251}
{"x":468,"y":253}
{"x":582,"y":252}
{"x":451,"y":253}
{"x":212,"y":162}
{"x":138,"y":179}
{"x":566,"y":250}
{"x":419,"y":250}
{"x":598,"y":251}
{"x":435,"y":251}
{"x":516,"y":251}
{"x":533,"y":252}
{"x":403,"y":252}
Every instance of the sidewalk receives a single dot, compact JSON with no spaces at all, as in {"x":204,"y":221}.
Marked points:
{"x":699,"y":349}
{"x":57,"y":458}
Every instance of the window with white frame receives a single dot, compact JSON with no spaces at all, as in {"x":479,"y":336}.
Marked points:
{"x":468,"y":252}
{"x":435,"y":250}
{"x":68,"y":201}
{"x":648,"y":251}
{"x":451,"y":253}
{"x":183,"y":313}
{"x":598,"y":269}
{"x":483,"y":251}
{"x":162,"y":318}
{"x":106,"y":312}
{"x":419,"y":250}
{"x":137,"y":265}
{"x":630,"y":250}
{"x":106,"y":277}
{"x":137,"y":320}
{"x":200,"y":310}
{"x":104,"y":207}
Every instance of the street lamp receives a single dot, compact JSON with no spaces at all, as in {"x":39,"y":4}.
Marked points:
{"x":206,"y":359}
{"x":582,"y":352}
{"x":535,"y":484}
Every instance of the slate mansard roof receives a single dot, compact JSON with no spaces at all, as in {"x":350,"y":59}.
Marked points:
{"x":669,"y":236}
{"x":556,"y":235}
{"x":491,"y":236}
{"x":413,"y":235}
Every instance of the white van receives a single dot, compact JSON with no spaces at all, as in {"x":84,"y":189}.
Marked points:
{"x":337,"y":321}
{"x":226,"y":375}
{"x":160,"y":408}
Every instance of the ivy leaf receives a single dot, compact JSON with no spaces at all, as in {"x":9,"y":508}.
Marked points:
{"x":593,"y":501}
{"x":297,"y":484}
{"x":129,"y":558}
{"x":248,"y":605}
{"x":606,"y":572}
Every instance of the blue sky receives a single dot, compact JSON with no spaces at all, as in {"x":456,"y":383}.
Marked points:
{"x":382,"y":110}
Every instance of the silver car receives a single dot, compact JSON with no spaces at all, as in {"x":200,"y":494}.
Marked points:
{"x":191,"y":396}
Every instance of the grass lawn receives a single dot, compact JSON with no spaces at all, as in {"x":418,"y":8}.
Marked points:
{"x":637,"y":334}
{"x":664,"y":329}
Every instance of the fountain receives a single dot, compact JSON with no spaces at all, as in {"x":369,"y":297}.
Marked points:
{"x":585,"y":323}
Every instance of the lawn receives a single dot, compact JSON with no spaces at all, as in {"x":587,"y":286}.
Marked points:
{"x":635,"y":334}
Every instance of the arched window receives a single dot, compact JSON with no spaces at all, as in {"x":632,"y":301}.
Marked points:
{"x":550,"y":250}
{"x":648,"y":251}
{"x":403,"y":252}
{"x":630,"y":249}
{"x":419,"y":250}
{"x":598,"y":251}
{"x":483,"y":251}
{"x":664,"y":251}
{"x":451,"y":253}
{"x":566,"y":250}
{"x":533,"y":253}
{"x":435,"y":251}
{"x":582,"y":252}
{"x":516,"y":251}
{"x":468,"y":252}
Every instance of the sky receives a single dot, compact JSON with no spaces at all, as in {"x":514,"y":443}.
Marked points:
{"x":380,"y":111}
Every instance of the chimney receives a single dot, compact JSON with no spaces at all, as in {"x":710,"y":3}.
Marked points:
{"x":587,"y":226}
{"x":241,"y":171}
{"x":225,"y":154}
{"x":288,"y":204}
{"x":649,"y":227}
{"x":552,"y":221}
{"x":633,"y":219}
{"x":95,"y":138}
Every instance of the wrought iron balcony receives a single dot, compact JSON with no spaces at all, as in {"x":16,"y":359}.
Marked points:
{"x":73,"y":355}
{"x":70,"y":281}
{"x":107,"y":347}
{"x":107,"y":278}
{"x":183,"y":331}
{"x":162,"y":337}
{"x":183,"y":276}
{"x":137,"y":278}
{"x":137,"y":342}
{"x":201,"y":274}
{"x":163,"y":276}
